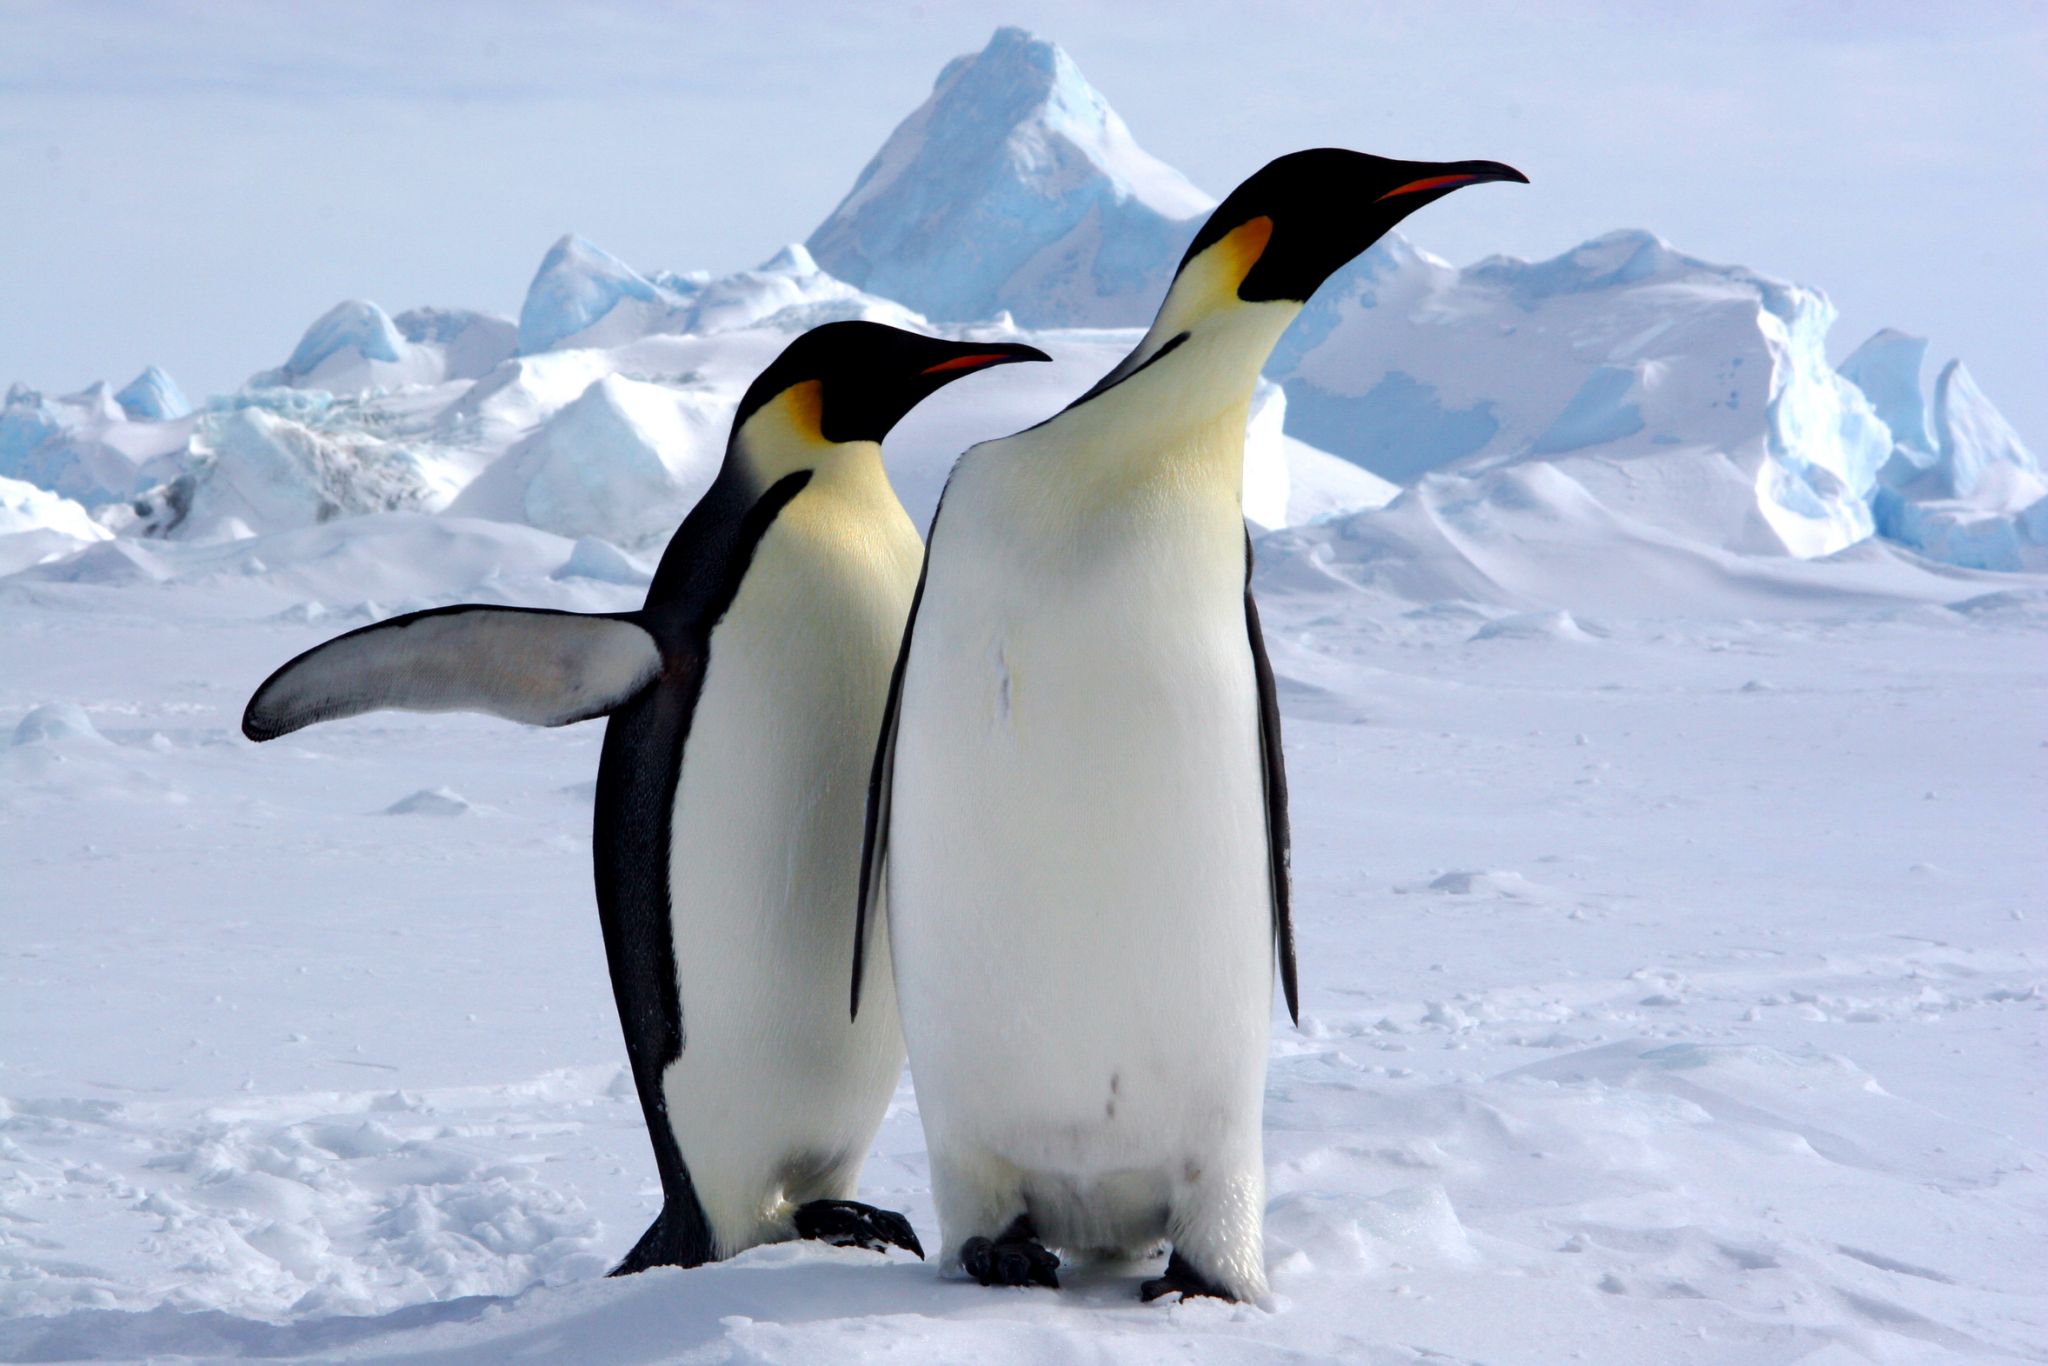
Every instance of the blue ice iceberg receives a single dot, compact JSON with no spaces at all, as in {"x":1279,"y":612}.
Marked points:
{"x":353,"y":326}
{"x":1014,"y":186}
{"x":153,"y":396}
{"x":578,"y":287}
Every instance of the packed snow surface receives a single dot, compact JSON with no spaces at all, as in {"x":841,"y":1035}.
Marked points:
{"x":1673,"y":983}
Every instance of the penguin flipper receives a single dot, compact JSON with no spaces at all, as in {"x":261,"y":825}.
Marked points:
{"x":526,"y":664}
{"x":874,"y":845}
{"x":1277,"y":835}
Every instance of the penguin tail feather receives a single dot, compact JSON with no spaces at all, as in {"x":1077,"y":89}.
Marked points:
{"x":679,"y":1236}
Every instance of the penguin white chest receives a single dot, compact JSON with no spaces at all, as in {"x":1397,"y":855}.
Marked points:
{"x":776,"y":1092}
{"x":1078,"y":877}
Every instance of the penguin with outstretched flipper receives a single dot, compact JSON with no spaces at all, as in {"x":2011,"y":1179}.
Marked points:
{"x":744,"y":697}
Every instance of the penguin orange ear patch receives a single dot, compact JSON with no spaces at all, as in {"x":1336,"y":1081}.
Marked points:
{"x":806,"y":406}
{"x":1434,"y":182}
{"x":1244,"y":245}
{"x":973,"y":362}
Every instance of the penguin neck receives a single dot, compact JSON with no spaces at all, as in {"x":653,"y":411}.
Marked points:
{"x":1211,"y":357}
{"x":777,"y":443}
{"x":1193,"y":374}
{"x":782,"y":437}
{"x":846,"y":497}
{"x":1177,"y":404}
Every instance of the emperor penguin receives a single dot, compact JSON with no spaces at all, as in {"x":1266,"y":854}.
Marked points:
{"x":1078,"y":804}
{"x":744,"y":698}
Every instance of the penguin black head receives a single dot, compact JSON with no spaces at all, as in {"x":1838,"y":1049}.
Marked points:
{"x":852,"y":381}
{"x":1300,"y":217}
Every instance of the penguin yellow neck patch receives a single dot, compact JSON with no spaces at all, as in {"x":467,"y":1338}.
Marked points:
{"x":802,"y":407}
{"x":786,"y":433}
{"x":1207,"y":286}
{"x":1240,"y":249}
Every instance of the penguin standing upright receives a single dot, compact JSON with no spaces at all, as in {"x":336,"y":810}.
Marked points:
{"x":744,"y":698}
{"x":1078,"y":802}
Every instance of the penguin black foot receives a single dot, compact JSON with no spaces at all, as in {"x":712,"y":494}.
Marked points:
{"x":1014,"y":1258}
{"x":849,"y":1223}
{"x":1183,"y":1280}
{"x":678,"y":1236}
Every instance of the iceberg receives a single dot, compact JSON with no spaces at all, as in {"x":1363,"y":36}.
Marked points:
{"x":37,"y":525}
{"x":26,"y":423}
{"x":357,"y":348}
{"x":354,"y":347}
{"x":1960,"y":486}
{"x":472,"y":344}
{"x":790,"y":293}
{"x":1620,"y":350}
{"x":351,"y":326}
{"x":1014,"y":186}
{"x":1622,"y":393}
{"x":152,"y":396}
{"x":1887,"y":369}
{"x":250,"y":470}
{"x":583,"y":295}
{"x":81,"y":446}
{"x":624,"y":463}
{"x":1977,"y":445}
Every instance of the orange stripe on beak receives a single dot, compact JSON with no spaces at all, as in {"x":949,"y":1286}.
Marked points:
{"x":965,"y":362}
{"x":1435,"y":182}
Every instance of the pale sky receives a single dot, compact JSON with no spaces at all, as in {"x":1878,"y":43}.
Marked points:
{"x":191,"y":184}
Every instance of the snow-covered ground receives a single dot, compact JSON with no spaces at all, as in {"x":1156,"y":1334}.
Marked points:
{"x":1666,"y":738}
{"x":1673,"y":991}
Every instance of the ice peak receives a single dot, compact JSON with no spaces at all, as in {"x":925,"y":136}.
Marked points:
{"x":578,"y":283}
{"x":573,"y":254}
{"x":1015,"y":186}
{"x":1887,"y":369}
{"x":153,"y":396}
{"x":93,"y":404}
{"x":351,"y":325}
{"x":1974,"y":436}
{"x":794,"y":259}
{"x":1020,"y":78}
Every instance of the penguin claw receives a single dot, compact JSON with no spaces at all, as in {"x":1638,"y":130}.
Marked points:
{"x":1014,"y":1258}
{"x":849,"y":1223}
{"x":1183,"y":1280}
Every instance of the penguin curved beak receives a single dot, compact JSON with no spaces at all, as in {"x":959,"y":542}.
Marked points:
{"x":982,"y":355}
{"x":1452,"y":175}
